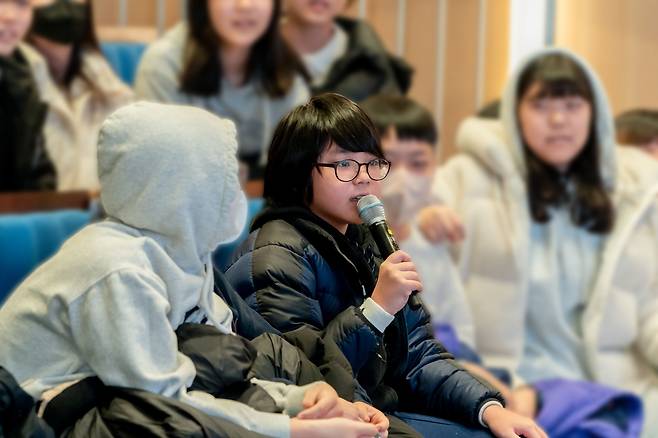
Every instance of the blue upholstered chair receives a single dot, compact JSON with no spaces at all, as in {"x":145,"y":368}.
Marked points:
{"x":222,"y":255}
{"x":124,"y":58}
{"x":26,"y":240}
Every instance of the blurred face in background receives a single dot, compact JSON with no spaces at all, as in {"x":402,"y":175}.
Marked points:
{"x":407,"y":188}
{"x":240,"y":23}
{"x":62,"y":22}
{"x":15,"y":20}
{"x":555,"y":129}
{"x":314,"y":12}
{"x":411,"y":155}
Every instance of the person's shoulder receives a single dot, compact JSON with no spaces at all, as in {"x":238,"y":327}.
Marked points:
{"x":167,"y":50}
{"x":280,"y":233}
{"x":464,"y":166}
{"x":636,"y":171}
{"x":37,"y":64}
{"x":92,"y":255}
{"x":101,"y":74}
{"x":298,"y":93}
{"x":361,"y":35}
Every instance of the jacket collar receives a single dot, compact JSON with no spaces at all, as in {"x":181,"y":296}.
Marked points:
{"x":349,"y":253}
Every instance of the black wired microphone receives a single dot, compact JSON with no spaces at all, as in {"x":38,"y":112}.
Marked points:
{"x":371,"y":211}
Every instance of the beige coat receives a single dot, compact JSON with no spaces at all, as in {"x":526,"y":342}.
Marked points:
{"x":74,"y":118}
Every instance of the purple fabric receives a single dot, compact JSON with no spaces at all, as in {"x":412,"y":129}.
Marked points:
{"x":445,"y":334}
{"x":577,"y":409}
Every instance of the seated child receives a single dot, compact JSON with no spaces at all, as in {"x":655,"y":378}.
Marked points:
{"x":109,"y":304}
{"x":309,"y":262}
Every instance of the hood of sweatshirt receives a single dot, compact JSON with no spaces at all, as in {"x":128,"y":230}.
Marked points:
{"x":171,"y":172}
{"x":497,"y":143}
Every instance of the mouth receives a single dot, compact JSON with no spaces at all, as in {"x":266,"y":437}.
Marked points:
{"x":319,"y":5}
{"x":355,"y":199}
{"x":244,"y":24}
{"x":559,"y":139}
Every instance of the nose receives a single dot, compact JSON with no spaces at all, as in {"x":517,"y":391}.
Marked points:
{"x":362,"y":176}
{"x":245,"y":3}
{"x":557,"y":117}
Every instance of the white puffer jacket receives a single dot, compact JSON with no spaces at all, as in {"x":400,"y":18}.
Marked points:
{"x":485,"y":185}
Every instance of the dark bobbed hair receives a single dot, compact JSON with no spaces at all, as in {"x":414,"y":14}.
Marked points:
{"x":271,"y":61}
{"x":89,"y":41}
{"x":637,"y":127}
{"x":590,"y":204}
{"x":411,"y":120}
{"x":302,"y":136}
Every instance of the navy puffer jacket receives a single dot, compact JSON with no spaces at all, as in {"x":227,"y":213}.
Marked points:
{"x":295,"y":269}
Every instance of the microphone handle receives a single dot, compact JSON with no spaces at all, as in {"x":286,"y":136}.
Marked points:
{"x":387,"y":245}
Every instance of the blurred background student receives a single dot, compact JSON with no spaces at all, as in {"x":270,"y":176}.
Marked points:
{"x":229,"y":58}
{"x":639,"y":127}
{"x":342,"y":55}
{"x":409,"y":138}
{"x":558,"y":257}
{"x":24,"y":163}
{"x":78,"y":85}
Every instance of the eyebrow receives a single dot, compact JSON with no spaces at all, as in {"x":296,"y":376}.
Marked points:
{"x":417,"y":154}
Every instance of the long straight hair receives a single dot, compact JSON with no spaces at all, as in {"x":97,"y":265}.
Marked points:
{"x":271,"y":61}
{"x":582,"y":187}
{"x":89,"y":42}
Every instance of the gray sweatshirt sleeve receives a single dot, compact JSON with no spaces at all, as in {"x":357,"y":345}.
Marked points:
{"x":122,"y":333}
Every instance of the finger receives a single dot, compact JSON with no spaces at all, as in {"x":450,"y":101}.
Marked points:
{"x":398,"y":256}
{"x":320,"y":407}
{"x":453,"y":228}
{"x":410,"y":276}
{"x":529,"y":431}
{"x":440,"y":234}
{"x":433,"y":232}
{"x":380,"y":420}
{"x":310,"y":398}
{"x":405,"y":266}
{"x":363,"y":429}
{"x":413,"y":285}
{"x":364,"y":415}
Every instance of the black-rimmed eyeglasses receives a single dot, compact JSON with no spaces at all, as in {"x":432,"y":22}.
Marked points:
{"x":347,"y":170}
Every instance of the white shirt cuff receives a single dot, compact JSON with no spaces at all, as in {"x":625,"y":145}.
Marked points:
{"x":377,"y":316}
{"x":485,"y":406}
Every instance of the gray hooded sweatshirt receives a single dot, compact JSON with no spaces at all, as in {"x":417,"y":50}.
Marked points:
{"x":108,"y":302}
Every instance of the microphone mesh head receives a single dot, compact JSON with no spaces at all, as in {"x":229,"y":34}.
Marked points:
{"x":371,"y":209}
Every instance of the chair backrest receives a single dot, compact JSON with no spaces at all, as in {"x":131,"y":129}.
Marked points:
{"x":28,"y":239}
{"x":124,"y":58}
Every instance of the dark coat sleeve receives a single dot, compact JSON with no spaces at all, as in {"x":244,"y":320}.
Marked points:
{"x":283,"y":283}
{"x":440,"y":386}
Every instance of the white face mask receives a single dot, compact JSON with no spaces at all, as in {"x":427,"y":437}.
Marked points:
{"x":404,"y":194}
